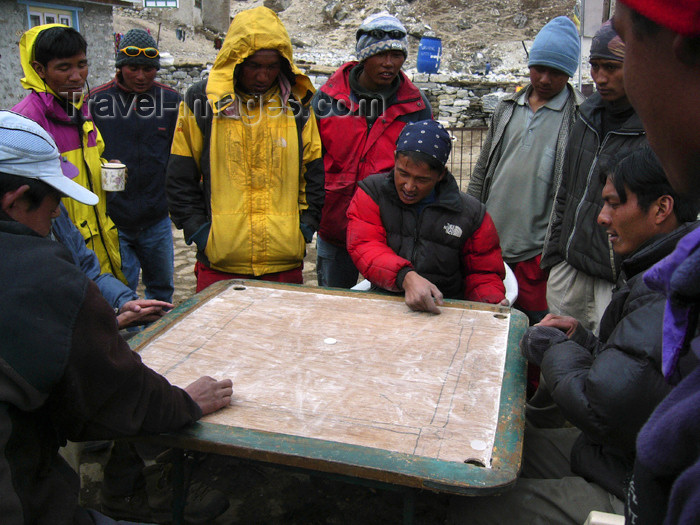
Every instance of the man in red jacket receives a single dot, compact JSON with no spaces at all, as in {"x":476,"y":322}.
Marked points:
{"x":361,"y":109}
{"x":412,"y":230}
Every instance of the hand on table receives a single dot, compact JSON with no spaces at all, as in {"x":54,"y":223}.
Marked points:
{"x":141,"y":311}
{"x":420,"y":294}
{"x":210,"y":394}
{"x":564,"y":323}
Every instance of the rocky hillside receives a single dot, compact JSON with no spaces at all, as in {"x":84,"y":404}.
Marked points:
{"x":473,"y":32}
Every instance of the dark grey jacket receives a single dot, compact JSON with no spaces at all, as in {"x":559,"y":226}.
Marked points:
{"x":65,"y":373}
{"x":574,"y":234}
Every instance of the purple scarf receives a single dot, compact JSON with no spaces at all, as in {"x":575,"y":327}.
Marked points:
{"x":678,"y":277}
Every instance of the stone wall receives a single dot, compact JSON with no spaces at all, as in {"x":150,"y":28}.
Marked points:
{"x":13,"y":19}
{"x":95,"y":26}
{"x":456,"y":102}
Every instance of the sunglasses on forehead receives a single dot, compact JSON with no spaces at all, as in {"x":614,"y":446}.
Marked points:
{"x":132,"y":51}
{"x":394,"y":34}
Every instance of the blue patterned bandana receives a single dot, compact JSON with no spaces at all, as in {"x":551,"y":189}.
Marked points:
{"x":426,"y":136}
{"x":379,"y":33}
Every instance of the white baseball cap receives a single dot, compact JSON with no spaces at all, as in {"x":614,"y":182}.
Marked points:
{"x":27,"y":150}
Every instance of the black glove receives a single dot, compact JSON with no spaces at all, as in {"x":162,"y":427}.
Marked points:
{"x":307,"y":231}
{"x":537,"y":340}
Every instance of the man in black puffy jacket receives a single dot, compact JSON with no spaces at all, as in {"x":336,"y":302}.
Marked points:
{"x":608,"y":386}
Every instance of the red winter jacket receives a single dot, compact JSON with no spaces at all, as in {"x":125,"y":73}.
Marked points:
{"x":452,"y":242}
{"x":352,"y":151}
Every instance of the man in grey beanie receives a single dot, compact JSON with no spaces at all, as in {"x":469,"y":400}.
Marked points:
{"x":136,"y":116}
{"x":519,"y":169}
{"x":361,"y":110}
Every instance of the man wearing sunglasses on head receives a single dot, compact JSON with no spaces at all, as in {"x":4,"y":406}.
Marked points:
{"x":136,"y":116}
{"x":55,"y":65}
{"x":362,"y":109}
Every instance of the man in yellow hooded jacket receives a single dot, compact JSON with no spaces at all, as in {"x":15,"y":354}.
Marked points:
{"x":245,"y":176}
{"x":55,"y":68}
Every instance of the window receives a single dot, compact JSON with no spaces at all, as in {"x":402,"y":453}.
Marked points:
{"x":40,"y":13}
{"x":160,"y":3}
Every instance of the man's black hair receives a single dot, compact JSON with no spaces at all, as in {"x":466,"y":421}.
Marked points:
{"x":38,"y":190}
{"x":641,"y":172}
{"x":58,"y":42}
{"x":418,"y":156}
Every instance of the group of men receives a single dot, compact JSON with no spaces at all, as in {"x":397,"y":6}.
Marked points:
{"x":253,"y":164}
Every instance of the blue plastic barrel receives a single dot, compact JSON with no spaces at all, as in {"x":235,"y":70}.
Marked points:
{"x":429,"y":54}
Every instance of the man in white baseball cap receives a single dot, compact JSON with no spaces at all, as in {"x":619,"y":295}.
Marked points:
{"x":27,"y":150}
{"x":66,"y":372}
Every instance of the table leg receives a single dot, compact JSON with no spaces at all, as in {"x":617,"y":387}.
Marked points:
{"x":409,"y":506}
{"x":179,"y":487}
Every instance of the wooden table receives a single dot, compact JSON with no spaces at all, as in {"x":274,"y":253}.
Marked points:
{"x":352,"y":383}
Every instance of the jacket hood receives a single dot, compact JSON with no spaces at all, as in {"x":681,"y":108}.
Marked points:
{"x":31,"y":79}
{"x":249,"y":32}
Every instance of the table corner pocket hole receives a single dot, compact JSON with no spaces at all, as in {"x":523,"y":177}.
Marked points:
{"x":475,"y":462}
{"x":238,"y":285}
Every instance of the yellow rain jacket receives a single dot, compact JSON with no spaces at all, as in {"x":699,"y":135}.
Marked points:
{"x":245,"y":176}
{"x":80,"y":142}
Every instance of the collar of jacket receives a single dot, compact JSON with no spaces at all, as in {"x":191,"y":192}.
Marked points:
{"x":590,"y":113}
{"x":655,"y":249}
{"x":577,"y":95}
{"x":13,"y":227}
{"x":126,"y":91}
{"x":54,"y":110}
{"x":338,"y":86}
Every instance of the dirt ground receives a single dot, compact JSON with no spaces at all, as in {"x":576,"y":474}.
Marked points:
{"x":262,"y":494}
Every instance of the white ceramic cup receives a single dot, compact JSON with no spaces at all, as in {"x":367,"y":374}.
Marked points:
{"x":113,"y":176}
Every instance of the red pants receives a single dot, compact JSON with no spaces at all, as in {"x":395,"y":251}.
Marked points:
{"x":532,"y":300}
{"x":207,"y":276}
{"x":532,"y":285}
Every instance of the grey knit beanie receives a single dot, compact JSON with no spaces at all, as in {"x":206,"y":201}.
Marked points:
{"x":379,"y":33}
{"x":142,"y":40}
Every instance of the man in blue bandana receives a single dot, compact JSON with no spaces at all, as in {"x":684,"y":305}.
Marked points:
{"x":411,"y":230}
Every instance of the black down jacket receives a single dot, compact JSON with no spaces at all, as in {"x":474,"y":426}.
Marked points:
{"x":609,"y":386}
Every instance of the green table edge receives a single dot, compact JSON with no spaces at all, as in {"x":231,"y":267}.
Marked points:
{"x":360,"y":461}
